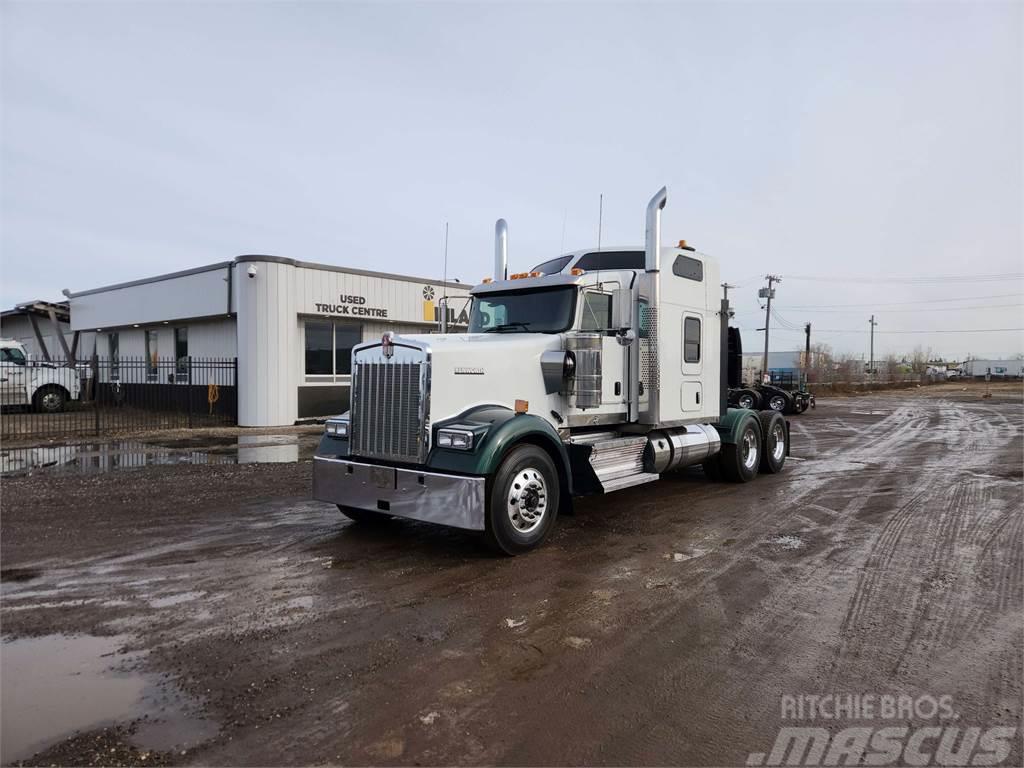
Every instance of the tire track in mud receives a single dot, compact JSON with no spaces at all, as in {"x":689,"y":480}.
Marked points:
{"x":955,"y":510}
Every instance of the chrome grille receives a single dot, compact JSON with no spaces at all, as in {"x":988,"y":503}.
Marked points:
{"x":389,"y":413}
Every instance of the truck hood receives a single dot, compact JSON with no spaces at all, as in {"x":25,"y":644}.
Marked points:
{"x":473,"y":369}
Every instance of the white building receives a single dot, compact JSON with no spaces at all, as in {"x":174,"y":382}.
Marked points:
{"x":291,"y":325}
{"x":997,"y":369}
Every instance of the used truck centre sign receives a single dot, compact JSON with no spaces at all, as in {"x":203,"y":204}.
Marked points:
{"x":353,"y":306}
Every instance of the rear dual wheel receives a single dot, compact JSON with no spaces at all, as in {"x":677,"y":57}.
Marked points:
{"x":761,"y":446}
{"x":775,"y":443}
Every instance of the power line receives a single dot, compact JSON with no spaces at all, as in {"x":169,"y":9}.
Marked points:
{"x":905,"y":303}
{"x":928,"y":330}
{"x":920,"y":280}
{"x":931,"y":309}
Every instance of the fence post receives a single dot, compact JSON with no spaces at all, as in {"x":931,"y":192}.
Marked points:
{"x":236,"y":387}
{"x":190,"y":391}
{"x":96,"y":392}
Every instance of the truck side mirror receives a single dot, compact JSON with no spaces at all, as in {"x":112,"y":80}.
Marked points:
{"x":622,"y":305}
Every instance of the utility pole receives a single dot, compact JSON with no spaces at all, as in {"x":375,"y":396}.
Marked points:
{"x":725,"y":295}
{"x":871,"y":364}
{"x":807,"y":351}
{"x":767,"y":293}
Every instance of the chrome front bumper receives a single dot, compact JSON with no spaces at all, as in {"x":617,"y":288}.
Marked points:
{"x":452,"y":500}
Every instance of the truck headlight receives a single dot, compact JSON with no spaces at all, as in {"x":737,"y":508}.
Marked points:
{"x":337,"y":427}
{"x":459,"y":439}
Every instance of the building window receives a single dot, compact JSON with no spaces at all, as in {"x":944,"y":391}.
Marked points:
{"x":181,"y":350}
{"x":345,"y":337}
{"x":329,"y":348}
{"x":691,"y":340}
{"x":114,"y":353}
{"x":152,"y":356}
{"x":597,"y":311}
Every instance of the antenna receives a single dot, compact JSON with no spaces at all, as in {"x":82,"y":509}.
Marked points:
{"x":600,"y":221}
{"x":444,"y":284}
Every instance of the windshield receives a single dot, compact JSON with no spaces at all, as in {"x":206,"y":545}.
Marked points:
{"x":554,"y":266}
{"x":12,"y":355}
{"x":548,"y":310}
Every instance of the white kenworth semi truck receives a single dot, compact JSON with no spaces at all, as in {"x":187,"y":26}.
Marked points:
{"x":596,"y":371}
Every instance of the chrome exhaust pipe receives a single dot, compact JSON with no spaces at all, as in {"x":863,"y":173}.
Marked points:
{"x":501,"y":250}
{"x":652,"y":264}
{"x":652,"y":239}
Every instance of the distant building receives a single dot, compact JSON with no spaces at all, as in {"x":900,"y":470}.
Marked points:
{"x":39,"y":325}
{"x":999,"y":369}
{"x":780,"y":365}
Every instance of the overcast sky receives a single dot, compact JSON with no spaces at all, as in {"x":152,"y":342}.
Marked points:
{"x":861,"y":142}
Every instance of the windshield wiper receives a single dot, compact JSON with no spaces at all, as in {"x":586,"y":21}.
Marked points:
{"x":506,"y":327}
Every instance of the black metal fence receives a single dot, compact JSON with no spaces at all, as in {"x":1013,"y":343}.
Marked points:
{"x":117,"y":395}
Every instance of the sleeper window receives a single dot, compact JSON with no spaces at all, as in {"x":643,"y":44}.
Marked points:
{"x":691,"y":340}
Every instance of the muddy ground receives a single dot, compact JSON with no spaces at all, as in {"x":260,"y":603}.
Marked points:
{"x":215,"y":615}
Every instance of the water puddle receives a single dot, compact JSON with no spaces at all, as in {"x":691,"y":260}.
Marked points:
{"x":57,"y":685}
{"x":128,"y":454}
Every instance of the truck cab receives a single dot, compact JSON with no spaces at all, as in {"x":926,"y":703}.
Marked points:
{"x":25,"y":382}
{"x":593,"y":372}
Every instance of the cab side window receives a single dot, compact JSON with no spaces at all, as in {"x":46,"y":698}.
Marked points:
{"x":691,"y":340}
{"x":597,"y":311}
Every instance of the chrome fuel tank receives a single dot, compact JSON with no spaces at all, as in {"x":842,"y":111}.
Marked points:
{"x":669,"y":449}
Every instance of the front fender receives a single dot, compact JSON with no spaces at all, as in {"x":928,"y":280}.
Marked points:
{"x":499,"y":428}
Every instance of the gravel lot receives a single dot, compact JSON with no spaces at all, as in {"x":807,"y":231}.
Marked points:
{"x":216,"y":615}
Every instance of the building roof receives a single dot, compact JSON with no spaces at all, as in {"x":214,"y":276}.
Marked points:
{"x":41,"y":308}
{"x":273,"y":259}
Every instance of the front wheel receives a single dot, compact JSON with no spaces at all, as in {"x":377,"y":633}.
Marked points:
{"x":523,"y":502}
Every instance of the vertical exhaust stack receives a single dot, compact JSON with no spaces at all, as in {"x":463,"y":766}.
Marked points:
{"x":652,"y":240}
{"x":500,"y":249}
{"x":652,"y":265}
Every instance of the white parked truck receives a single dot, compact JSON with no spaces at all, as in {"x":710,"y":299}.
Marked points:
{"x":596,"y":371}
{"x":43,"y":386}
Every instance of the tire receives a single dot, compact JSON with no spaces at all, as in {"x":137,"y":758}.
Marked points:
{"x":364,"y":516}
{"x":748,"y":398}
{"x":776,"y":400}
{"x":522,"y":505}
{"x":774,"y":439}
{"x":50,"y":399}
{"x":802,"y":406}
{"x":739,"y":463}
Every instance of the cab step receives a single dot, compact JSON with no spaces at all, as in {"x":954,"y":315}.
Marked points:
{"x":617,"y":462}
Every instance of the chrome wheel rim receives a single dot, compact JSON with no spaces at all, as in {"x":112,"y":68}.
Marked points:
{"x":748,"y":449}
{"x":746,"y":401}
{"x":51,"y":401}
{"x":527,"y":499}
{"x":778,"y":442}
{"x":777,"y":403}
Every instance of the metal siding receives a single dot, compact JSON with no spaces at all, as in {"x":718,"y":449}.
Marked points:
{"x":203,"y":294}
